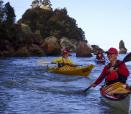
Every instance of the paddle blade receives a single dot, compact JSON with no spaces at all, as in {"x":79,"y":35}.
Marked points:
{"x":127,"y":57}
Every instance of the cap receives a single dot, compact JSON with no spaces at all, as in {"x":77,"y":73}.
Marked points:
{"x":112,"y":51}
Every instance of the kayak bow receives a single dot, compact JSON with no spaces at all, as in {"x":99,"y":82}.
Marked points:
{"x":117,"y":96}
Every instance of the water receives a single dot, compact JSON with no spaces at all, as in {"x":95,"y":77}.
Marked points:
{"x":27,"y":88}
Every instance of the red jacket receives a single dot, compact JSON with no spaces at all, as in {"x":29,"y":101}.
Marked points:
{"x":110,"y":76}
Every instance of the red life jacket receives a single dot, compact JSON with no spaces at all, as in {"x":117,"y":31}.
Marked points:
{"x":122,"y":72}
{"x":112,"y":76}
{"x":116,"y":75}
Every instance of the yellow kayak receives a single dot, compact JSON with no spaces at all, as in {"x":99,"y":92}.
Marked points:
{"x":69,"y":70}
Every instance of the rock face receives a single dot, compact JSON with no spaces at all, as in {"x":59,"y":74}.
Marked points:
{"x":83,"y":49}
{"x":122,"y":49}
{"x":56,"y":30}
{"x":70,"y":44}
{"x":51,"y":46}
{"x":43,"y":32}
{"x":96,"y":49}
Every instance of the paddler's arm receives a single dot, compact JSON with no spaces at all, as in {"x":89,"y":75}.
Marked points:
{"x":100,"y":78}
{"x":57,"y":60}
{"x":70,"y":63}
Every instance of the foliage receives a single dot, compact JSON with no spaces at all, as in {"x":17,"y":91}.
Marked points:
{"x":47,"y":2}
{"x":1,"y":11}
{"x":53,"y":23}
{"x":7,"y":26}
{"x":9,"y":14}
{"x":36,"y":25}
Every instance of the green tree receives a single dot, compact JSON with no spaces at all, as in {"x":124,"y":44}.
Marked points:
{"x":1,"y":11}
{"x":9,"y":14}
{"x":63,"y":25}
{"x":47,"y":2}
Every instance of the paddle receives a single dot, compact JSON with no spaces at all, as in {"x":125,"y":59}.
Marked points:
{"x":40,"y":62}
{"x":127,"y":58}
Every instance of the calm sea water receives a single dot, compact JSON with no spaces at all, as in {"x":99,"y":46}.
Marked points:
{"x":27,"y":88}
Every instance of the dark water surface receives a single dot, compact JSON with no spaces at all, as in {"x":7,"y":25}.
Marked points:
{"x":27,"y":88}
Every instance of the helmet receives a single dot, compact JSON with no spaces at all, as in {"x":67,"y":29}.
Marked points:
{"x":65,"y":52}
{"x":99,"y":52}
{"x":112,"y":51}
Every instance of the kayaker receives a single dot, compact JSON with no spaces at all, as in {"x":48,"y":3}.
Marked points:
{"x":64,"y":60}
{"x":115,"y":71}
{"x":100,"y":56}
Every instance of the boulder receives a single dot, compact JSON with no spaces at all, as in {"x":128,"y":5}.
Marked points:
{"x":22,"y":51}
{"x":51,"y":46}
{"x":122,"y":49}
{"x":83,"y":49}
{"x":66,"y":43}
{"x":36,"y":50}
{"x":96,"y":49}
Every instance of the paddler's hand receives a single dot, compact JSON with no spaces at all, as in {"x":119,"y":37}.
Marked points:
{"x":112,"y":69}
{"x":93,"y":85}
{"x":61,"y":64}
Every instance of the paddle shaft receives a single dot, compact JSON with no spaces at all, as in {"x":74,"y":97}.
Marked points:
{"x":87,"y":88}
{"x":45,"y":62}
{"x":127,"y":58}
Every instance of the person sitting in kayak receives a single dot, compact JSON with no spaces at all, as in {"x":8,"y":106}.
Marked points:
{"x":100,"y":56}
{"x":64,"y":60}
{"x":115,"y":71}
